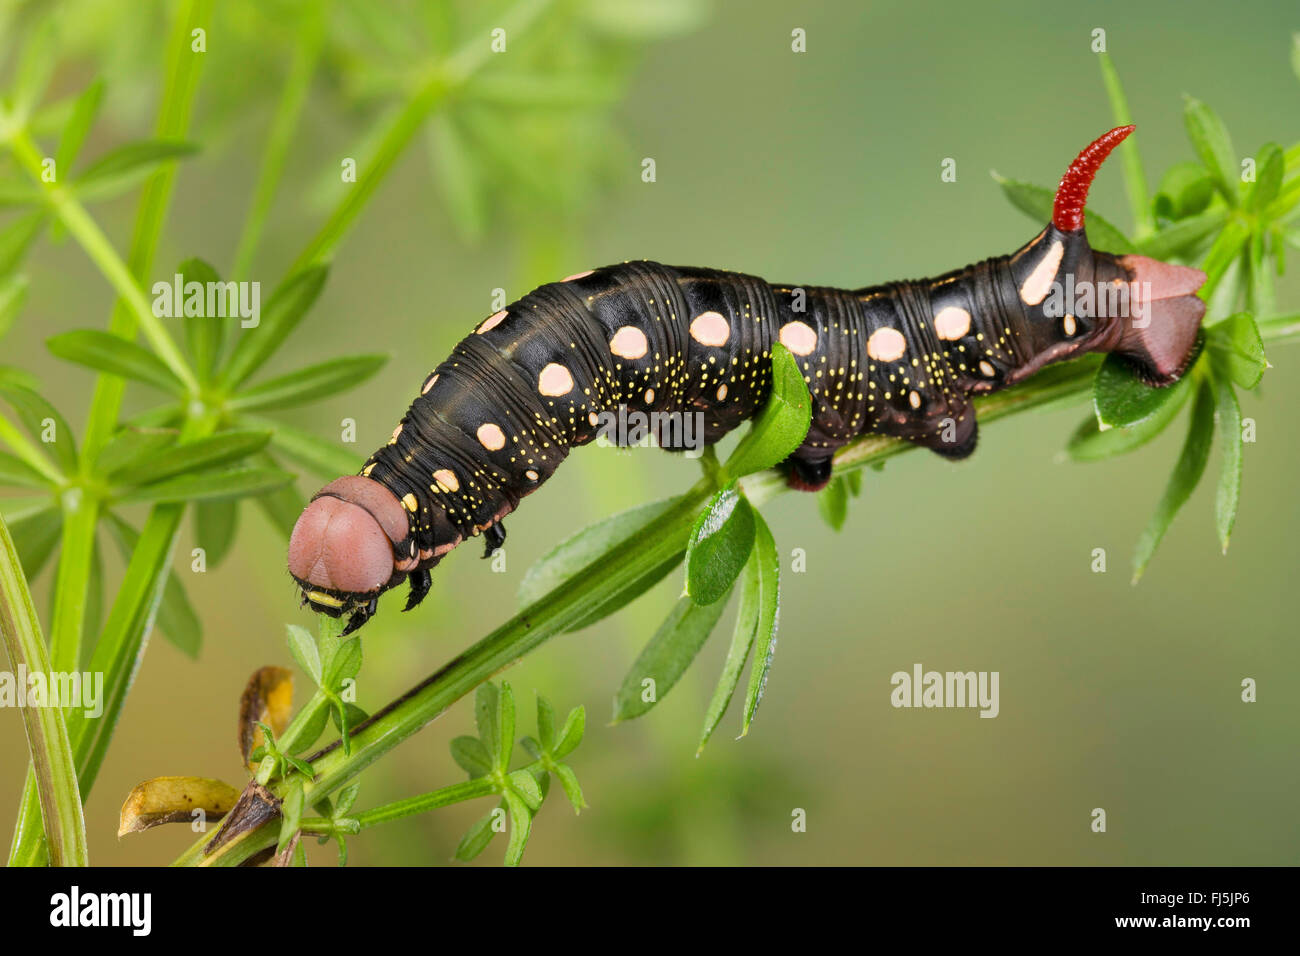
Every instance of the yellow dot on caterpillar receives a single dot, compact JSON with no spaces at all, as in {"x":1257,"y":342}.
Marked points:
{"x":722,"y":392}
{"x":578,"y":275}
{"x":555,"y":379}
{"x":629,"y":342}
{"x":320,"y":597}
{"x":428,"y":385}
{"x":446,"y":479}
{"x":649,"y":396}
{"x":1036,"y":286}
{"x":987,"y":369}
{"x":492,"y":321}
{"x":914,"y":399}
{"x":952,"y":323}
{"x":1070,"y":325}
{"x":409,"y":502}
{"x":491,"y":437}
{"x":799,"y":337}
{"x":886,"y":345}
{"x":710,"y":328}
{"x":368,"y":469}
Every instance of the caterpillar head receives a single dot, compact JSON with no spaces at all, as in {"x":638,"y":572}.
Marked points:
{"x":351,"y":543}
{"x":1079,"y":299}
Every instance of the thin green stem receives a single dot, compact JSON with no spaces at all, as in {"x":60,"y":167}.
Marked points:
{"x":1135,"y":185}
{"x":296,"y":86}
{"x":439,"y":82}
{"x":72,"y":583}
{"x":25,"y":449}
{"x":442,"y":797}
{"x":47,"y":734}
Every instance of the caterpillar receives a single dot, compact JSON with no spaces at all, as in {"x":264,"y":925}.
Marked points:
{"x":493,"y":422}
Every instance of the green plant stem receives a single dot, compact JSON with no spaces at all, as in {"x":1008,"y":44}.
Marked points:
{"x":47,"y":734}
{"x":440,"y":82}
{"x":96,"y":245}
{"x":177,"y":103}
{"x":442,"y":797}
{"x":27,"y":451}
{"x":296,"y":87}
{"x":72,"y":583}
{"x":1144,"y":223}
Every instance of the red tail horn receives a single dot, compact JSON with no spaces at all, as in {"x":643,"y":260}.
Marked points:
{"x":1072,"y":194}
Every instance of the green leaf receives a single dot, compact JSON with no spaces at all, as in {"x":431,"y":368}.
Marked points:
{"x":523,"y":783}
{"x":477,"y":838}
{"x":82,"y":117}
{"x":318,"y":455}
{"x":563,"y":562}
{"x":281,"y":315}
{"x":192,"y":458}
{"x":15,"y":471}
{"x":120,"y":169}
{"x":486,"y":716}
{"x":833,"y":503}
{"x":545,"y":723}
{"x":215,"y":524}
{"x":1182,"y":238}
{"x":781,"y":426}
{"x":575,"y":726}
{"x":505,"y":727}
{"x":471,"y":756}
{"x":1210,"y":139}
{"x":1036,"y":202}
{"x":1236,"y":344}
{"x":35,"y":412}
{"x":1269,"y":169}
{"x":1186,"y":475}
{"x":303,"y":648}
{"x":35,"y":536}
{"x":521,"y":824}
{"x":204,"y":334}
{"x":132,"y":446}
{"x":308,"y":384}
{"x":765,"y":632}
{"x":569,"y":781}
{"x":13,"y":293}
{"x":1228,"y":495}
{"x":1134,"y":180}
{"x":344,"y":665}
{"x":1121,"y":399}
{"x":35,"y":65}
{"x":113,"y":354}
{"x":347,"y":797}
{"x":1090,"y":443}
{"x":666,"y":657}
{"x":230,"y":483}
{"x":1185,"y":190}
{"x":720,"y":544}
{"x":16,"y":238}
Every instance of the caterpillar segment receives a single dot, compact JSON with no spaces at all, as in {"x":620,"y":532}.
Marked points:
{"x":687,"y":345}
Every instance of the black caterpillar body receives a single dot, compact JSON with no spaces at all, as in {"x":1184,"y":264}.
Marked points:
{"x":494,"y":421}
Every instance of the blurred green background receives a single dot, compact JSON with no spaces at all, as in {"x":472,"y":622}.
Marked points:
{"x":820,"y":168}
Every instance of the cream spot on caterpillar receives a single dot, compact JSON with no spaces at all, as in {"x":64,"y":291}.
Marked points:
{"x":491,"y":437}
{"x":1070,"y":325}
{"x":722,"y":392}
{"x":914,"y":399}
{"x":492,"y":321}
{"x":710,"y":328}
{"x":649,"y":396}
{"x":593,"y":418}
{"x":578,"y":275}
{"x":799,"y":338}
{"x":446,"y":480}
{"x":886,"y":345}
{"x":429,"y":384}
{"x":396,"y":431}
{"x":555,"y":379}
{"x":531,"y":475}
{"x":629,"y":342}
{"x":987,"y":369}
{"x":952,"y":323}
{"x":368,"y":469}
{"x":409,"y":502}
{"x":1034,"y":289}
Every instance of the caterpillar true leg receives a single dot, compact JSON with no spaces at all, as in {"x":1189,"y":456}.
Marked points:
{"x":684,"y":354}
